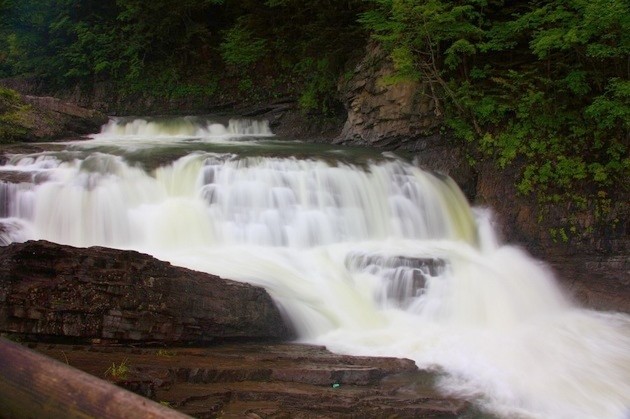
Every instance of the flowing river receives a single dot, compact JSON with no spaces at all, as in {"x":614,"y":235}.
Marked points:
{"x":364,"y":252}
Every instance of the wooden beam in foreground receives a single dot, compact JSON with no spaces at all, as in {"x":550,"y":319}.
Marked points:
{"x":35,"y":386}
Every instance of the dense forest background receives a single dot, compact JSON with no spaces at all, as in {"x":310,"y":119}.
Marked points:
{"x":545,"y":83}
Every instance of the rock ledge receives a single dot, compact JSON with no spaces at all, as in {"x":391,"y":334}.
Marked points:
{"x":61,"y":293}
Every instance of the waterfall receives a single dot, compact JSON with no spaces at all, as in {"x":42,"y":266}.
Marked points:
{"x":381,"y":258}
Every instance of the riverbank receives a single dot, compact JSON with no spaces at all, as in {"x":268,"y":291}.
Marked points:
{"x":27,"y":118}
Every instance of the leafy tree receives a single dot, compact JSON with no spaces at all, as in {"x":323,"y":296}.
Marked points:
{"x":240,"y":47}
{"x":542,"y":83}
{"x":306,"y":44}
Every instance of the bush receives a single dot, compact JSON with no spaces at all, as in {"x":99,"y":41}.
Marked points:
{"x":241,"y":48}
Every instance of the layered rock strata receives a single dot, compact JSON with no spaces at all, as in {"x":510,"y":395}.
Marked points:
{"x":269,"y":381}
{"x":55,"y":292}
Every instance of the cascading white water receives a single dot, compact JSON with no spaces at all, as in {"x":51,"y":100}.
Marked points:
{"x":186,"y":127}
{"x":379,"y":260}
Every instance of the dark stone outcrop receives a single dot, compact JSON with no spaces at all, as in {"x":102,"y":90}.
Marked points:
{"x":271,"y":381}
{"x":51,"y":119}
{"x":386,"y":114}
{"x":57,"y":292}
{"x":287,"y":120}
{"x":29,"y":118}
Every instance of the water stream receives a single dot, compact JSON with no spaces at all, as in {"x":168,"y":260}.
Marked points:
{"x":366,"y":253}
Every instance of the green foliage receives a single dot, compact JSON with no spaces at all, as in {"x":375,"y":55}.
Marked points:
{"x":305,"y":45}
{"x":165,"y":353}
{"x":424,"y":28}
{"x":118,"y":371}
{"x":12,"y":110}
{"x":543,"y":84}
{"x":9,"y":99}
{"x":241,"y":48}
{"x":321,"y":83}
{"x":66,"y":42}
{"x":172,"y":49}
{"x":166,"y":85}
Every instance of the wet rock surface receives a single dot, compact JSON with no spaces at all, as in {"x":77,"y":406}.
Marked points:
{"x":55,"y":292}
{"x":268,"y":381}
{"x":63,"y":119}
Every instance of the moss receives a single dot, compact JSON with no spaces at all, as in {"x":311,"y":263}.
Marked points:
{"x":13,"y":117}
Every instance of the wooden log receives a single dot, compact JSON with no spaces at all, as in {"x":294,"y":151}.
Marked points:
{"x":35,"y":386}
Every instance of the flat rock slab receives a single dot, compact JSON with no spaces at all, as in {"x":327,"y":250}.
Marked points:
{"x":62,"y":293}
{"x":269,"y":381}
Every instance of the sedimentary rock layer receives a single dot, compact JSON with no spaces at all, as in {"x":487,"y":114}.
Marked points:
{"x":50,"y":291}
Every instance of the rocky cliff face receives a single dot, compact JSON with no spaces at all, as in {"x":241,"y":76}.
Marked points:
{"x":400,"y":116}
{"x":385,"y":114}
{"x":51,"y":291}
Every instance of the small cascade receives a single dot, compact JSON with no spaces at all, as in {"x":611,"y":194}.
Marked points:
{"x":16,"y":200}
{"x":249,"y":127}
{"x":402,"y":280}
{"x":264,"y":201}
{"x":183,"y":127}
{"x":13,"y":230}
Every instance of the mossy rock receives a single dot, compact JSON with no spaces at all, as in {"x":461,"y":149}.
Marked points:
{"x":13,"y":117}
{"x":34,"y":118}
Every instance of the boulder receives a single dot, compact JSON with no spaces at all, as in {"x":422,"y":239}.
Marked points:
{"x":55,"y":292}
